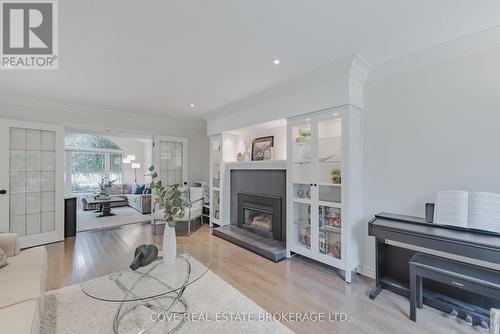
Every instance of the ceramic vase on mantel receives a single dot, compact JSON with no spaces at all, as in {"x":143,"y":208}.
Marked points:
{"x":169,"y":244}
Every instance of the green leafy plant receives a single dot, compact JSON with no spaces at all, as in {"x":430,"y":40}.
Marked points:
{"x":336,"y":172}
{"x":336,"y":178}
{"x":305,"y":133}
{"x":103,"y":185}
{"x":168,"y":198}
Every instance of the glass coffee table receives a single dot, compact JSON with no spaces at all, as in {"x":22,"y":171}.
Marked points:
{"x":155,"y":291}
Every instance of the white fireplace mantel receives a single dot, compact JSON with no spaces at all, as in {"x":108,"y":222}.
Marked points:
{"x":262,"y":164}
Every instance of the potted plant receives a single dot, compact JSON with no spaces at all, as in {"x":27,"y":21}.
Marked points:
{"x":304,"y":135}
{"x":103,"y":185}
{"x":336,"y":178}
{"x":169,"y":199}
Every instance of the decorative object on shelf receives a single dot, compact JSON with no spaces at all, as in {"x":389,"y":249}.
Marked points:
{"x":260,"y":146}
{"x":308,"y":193}
{"x":337,"y":249}
{"x":170,"y":200}
{"x":305,"y":235}
{"x":300,"y":193}
{"x":333,"y":220}
{"x":336,"y":178}
{"x":239,"y":156}
{"x":304,"y":135}
{"x":323,"y":242}
{"x":144,"y":255}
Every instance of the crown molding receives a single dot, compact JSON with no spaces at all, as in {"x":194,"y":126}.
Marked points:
{"x":93,"y":111}
{"x":349,"y":66}
{"x":360,"y":69}
{"x":454,"y":49}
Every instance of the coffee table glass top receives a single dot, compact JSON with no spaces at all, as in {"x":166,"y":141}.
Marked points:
{"x":156,"y":279}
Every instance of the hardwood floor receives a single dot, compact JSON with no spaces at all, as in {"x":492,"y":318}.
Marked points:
{"x":295,"y":285}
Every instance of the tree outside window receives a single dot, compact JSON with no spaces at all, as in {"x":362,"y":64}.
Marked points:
{"x":90,"y":158}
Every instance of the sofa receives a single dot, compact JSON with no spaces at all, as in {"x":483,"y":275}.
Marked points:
{"x":139,"y":202}
{"x":22,"y":284}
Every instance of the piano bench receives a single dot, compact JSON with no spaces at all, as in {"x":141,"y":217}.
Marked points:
{"x":483,"y":281}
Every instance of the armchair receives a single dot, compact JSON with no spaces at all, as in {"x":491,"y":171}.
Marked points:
{"x":192,"y":210}
{"x":9,"y":243}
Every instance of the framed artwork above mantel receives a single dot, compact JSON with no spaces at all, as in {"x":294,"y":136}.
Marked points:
{"x":262,"y":148}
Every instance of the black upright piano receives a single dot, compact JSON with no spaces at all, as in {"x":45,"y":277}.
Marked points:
{"x":394,"y":232}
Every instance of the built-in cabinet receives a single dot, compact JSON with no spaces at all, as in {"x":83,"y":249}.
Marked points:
{"x":216,"y":165}
{"x":324,"y":190}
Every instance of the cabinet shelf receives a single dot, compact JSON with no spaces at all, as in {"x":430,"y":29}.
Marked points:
{"x":302,"y":200}
{"x":330,"y":204}
{"x":333,"y":229}
{"x":327,"y":139}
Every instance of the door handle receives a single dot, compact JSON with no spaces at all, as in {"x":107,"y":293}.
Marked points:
{"x":3,"y":192}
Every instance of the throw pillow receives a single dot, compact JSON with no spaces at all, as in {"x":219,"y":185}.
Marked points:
{"x":3,"y":259}
{"x":139,"y":189}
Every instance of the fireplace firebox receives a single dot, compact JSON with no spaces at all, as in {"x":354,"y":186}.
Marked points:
{"x":260,"y":214}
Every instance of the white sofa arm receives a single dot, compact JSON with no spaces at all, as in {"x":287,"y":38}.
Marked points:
{"x":9,"y":243}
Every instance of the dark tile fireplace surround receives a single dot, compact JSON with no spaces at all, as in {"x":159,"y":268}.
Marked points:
{"x":258,"y":212}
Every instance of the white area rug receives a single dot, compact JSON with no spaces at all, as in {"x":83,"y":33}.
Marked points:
{"x":87,"y":220}
{"x":69,"y":310}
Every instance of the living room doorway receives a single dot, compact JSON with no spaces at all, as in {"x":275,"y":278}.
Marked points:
{"x":107,"y":174}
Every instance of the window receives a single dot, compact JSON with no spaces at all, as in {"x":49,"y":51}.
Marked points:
{"x":80,"y":141}
{"x":89,"y":159}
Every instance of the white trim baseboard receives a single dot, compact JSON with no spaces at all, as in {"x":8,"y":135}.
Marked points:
{"x":366,"y":271}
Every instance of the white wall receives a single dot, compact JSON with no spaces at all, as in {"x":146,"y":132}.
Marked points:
{"x":141,"y":148}
{"x":100,"y":120}
{"x":431,"y":129}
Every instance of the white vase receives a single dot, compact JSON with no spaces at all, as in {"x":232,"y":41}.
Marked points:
{"x":169,"y":244}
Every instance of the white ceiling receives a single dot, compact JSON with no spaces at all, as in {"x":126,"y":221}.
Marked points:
{"x":155,"y":57}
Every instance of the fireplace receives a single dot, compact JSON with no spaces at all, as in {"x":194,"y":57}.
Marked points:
{"x":257,"y":212}
{"x":260,"y":214}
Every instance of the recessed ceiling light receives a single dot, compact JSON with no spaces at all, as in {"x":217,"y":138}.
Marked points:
{"x":192,"y":105}
{"x":335,"y":114}
{"x":276,"y":61}
{"x":308,"y":119}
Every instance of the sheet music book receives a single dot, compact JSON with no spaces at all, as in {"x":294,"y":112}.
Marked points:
{"x":478,"y":210}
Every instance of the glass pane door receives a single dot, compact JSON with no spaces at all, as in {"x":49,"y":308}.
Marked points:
{"x":32,"y":181}
{"x":330,"y":228}
{"x":302,"y":179}
{"x":171,"y":162}
{"x":329,"y":160}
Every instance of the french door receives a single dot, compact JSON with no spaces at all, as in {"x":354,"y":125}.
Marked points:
{"x":170,"y":160}
{"x":32,"y":181}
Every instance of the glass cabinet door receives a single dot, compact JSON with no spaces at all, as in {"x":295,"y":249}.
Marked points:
{"x":302,"y":179}
{"x":329,"y":186}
